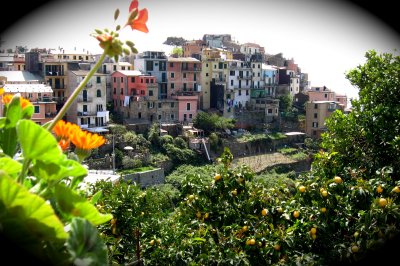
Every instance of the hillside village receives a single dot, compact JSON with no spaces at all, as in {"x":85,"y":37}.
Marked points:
{"x":214,"y":74}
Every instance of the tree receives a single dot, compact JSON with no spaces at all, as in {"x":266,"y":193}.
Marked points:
{"x":177,"y":52}
{"x":369,"y":136}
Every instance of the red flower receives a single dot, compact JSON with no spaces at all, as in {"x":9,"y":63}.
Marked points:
{"x":138,"y":18}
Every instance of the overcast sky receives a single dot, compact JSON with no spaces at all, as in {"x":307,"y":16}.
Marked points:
{"x":326,"y":38}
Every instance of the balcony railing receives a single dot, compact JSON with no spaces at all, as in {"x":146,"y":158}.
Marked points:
{"x":84,"y":100}
{"x":87,"y":113}
{"x":244,"y":77}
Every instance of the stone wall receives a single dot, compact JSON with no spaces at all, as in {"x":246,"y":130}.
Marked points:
{"x":147,"y":178}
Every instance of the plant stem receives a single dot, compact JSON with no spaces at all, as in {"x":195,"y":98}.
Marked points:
{"x":76,"y":92}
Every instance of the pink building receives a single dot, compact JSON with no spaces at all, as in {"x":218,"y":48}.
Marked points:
{"x":40,"y":95}
{"x":184,"y":75}
{"x":321,"y":94}
{"x":187,"y":107}
{"x":127,"y":84}
{"x":342,"y":100}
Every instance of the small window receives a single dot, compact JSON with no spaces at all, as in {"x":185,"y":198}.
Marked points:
{"x":172,"y":105}
{"x":315,"y":115}
{"x":150,"y":93}
{"x":240,"y":92}
{"x":98,"y":93}
{"x":188,"y":106}
{"x":171,"y":64}
{"x":206,"y":74}
{"x":159,"y":105}
{"x":98,"y":79}
{"x":122,"y":79}
{"x":115,"y":90}
{"x":133,"y":79}
{"x":315,"y":106}
{"x":172,"y":75}
{"x":37,"y":109}
{"x":122,"y":91}
{"x":172,"y":85}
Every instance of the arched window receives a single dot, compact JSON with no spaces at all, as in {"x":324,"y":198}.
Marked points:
{"x":98,"y":93}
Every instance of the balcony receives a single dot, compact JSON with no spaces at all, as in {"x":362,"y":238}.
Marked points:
{"x":244,"y":77}
{"x":190,"y":69}
{"x":54,"y":73}
{"x":87,"y":113}
{"x":50,"y":114}
{"x":84,"y":99}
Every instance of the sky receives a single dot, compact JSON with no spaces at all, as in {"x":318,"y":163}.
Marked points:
{"x":326,"y":38}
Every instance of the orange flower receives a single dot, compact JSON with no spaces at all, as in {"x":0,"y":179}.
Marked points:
{"x":8,"y":98}
{"x":86,"y":141}
{"x":25,"y":103}
{"x":138,"y":18}
{"x":64,"y":144}
{"x":64,"y":130}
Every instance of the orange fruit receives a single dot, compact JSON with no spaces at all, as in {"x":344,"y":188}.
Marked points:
{"x":234,"y":192}
{"x":323,"y":209}
{"x":354,"y":249}
{"x":206,"y":215}
{"x":217,"y":177}
{"x":302,"y":189}
{"x":198,"y":214}
{"x":152,"y":242}
{"x":324,"y":193}
{"x":245,"y":228}
{"x":191,"y":197}
{"x":251,"y":242}
{"x":379,"y":189}
{"x":313,"y":236}
{"x":264,"y":212}
{"x":396,"y":189}
{"x":382,"y":202}
{"x":337,"y":179}
{"x":313,"y":230}
{"x":296,"y":214}
{"x":277,"y":247}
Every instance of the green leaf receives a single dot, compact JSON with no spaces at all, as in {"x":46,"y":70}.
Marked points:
{"x":96,"y":197}
{"x":27,"y":112}
{"x":10,"y":166}
{"x":199,"y":239}
{"x":73,"y":204}
{"x":37,"y":143}
{"x":2,"y":122}
{"x":85,"y":245}
{"x":58,"y":170}
{"x":29,"y":212}
{"x":13,"y":112}
{"x":116,"y":14}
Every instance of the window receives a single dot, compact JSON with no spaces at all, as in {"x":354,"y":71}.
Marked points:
{"x":315,"y":124}
{"x":314,"y":132}
{"x":150,"y":92}
{"x":254,"y":65}
{"x":184,"y":117}
{"x":315,"y":106}
{"x":159,"y":105}
{"x":206,"y":65}
{"x":122,"y":91}
{"x":114,"y":67}
{"x":115,"y":90}
{"x":194,"y":77}
{"x":206,"y":74}
{"x":184,"y":75}
{"x":247,"y":92}
{"x":172,"y":105}
{"x":147,"y":81}
{"x":172,"y":75}
{"x":99,"y":107}
{"x":115,"y":79}
{"x":269,"y":111}
{"x":84,"y":107}
{"x":258,"y":74}
{"x":123,"y":68}
{"x":172,"y":85}
{"x":315,"y":115}
{"x":240,"y":92}
{"x":171,"y":64}
{"x":37,"y":109}
{"x":188,"y":106}
{"x":184,"y":86}
{"x":231,"y":82}
{"x":149,"y":65}
{"x":190,"y":116}
{"x":98,"y":79}
{"x":232,"y":73}
{"x":98,"y":93}
{"x":326,"y":95}
{"x":132,"y":79}
{"x":142,"y":92}
{"x":122,"y":79}
{"x":159,"y":117}
{"x":172,"y":116}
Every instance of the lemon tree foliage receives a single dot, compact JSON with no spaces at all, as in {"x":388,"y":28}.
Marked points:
{"x":344,"y":208}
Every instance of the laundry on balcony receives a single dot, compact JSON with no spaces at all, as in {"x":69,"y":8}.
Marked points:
{"x":126,"y":101}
